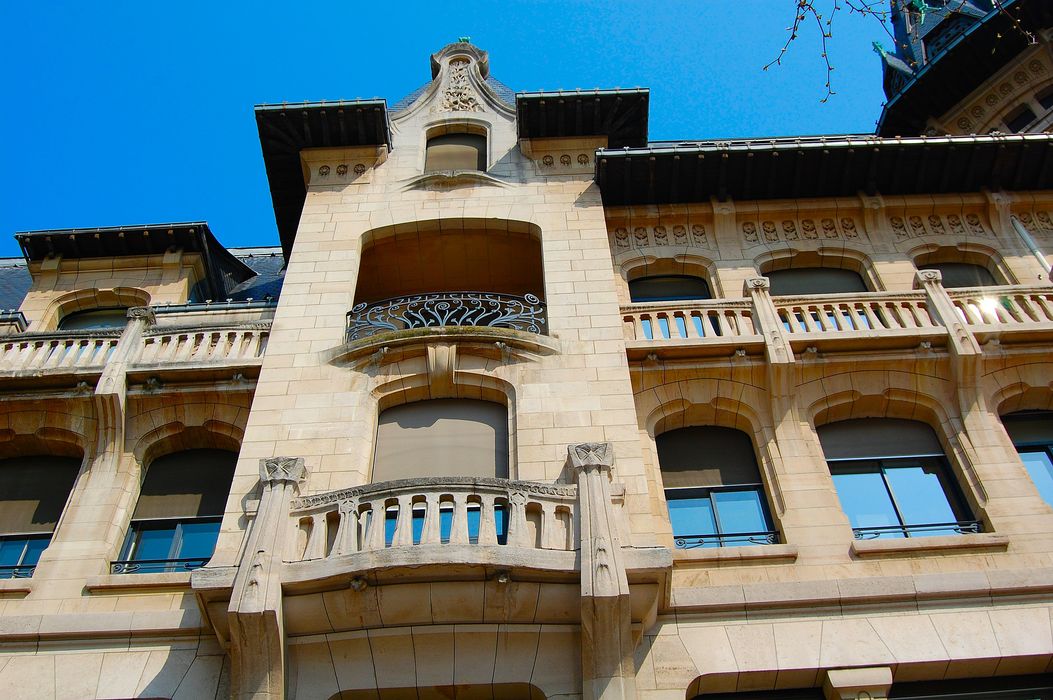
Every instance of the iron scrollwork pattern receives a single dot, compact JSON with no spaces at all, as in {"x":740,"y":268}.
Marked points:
{"x":526,"y":313}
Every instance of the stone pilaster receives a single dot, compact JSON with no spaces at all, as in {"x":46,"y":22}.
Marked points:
{"x":606,"y":624}
{"x":257,"y":631}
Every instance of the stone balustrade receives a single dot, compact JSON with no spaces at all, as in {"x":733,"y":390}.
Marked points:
{"x":67,"y":351}
{"x":714,"y":321}
{"x":234,"y":344}
{"x":840,"y":321}
{"x":434,"y":511}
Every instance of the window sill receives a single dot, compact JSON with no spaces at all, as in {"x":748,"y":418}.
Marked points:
{"x":925,"y":545}
{"x":123,"y":582}
{"x":15,"y":587}
{"x":762,"y":553}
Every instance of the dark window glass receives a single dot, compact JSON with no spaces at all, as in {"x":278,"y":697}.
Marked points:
{"x":455,"y":152}
{"x":1032,"y":434}
{"x":94,"y":318}
{"x":177,"y":518}
{"x":815,"y":280}
{"x":962,"y":274}
{"x":668,"y":288}
{"x":32,"y":497}
{"x":1045,"y":98}
{"x":1019,"y":119}
{"x":1038,"y":687}
{"x":713,"y":488}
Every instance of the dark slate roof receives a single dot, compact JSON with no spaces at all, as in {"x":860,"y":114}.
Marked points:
{"x":503,"y":92}
{"x":267,"y":263}
{"x":14,"y":282}
{"x":269,"y":266}
{"x":620,"y":115}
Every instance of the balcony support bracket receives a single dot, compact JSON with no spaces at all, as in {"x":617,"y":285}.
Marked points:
{"x":257,"y":630}
{"x":607,"y":646}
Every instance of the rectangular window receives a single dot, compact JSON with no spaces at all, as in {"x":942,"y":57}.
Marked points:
{"x":166,"y":546}
{"x":719,"y":517}
{"x":907,"y":497}
{"x":1039,"y":463}
{"x":19,"y":554}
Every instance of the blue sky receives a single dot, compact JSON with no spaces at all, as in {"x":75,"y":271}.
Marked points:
{"x":127,"y":113}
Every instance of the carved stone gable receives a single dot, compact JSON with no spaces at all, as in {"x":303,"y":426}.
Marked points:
{"x":458,"y":95}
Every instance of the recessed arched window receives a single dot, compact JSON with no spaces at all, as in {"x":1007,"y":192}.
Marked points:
{"x":455,"y":152}
{"x":668,"y":288}
{"x":1032,"y":435}
{"x":33,"y":494}
{"x":177,"y":517}
{"x":442,"y":437}
{"x":1019,"y":119}
{"x":815,"y":280}
{"x":713,"y":488}
{"x":960,"y":274}
{"x":893,"y":480}
{"x":115,"y":317}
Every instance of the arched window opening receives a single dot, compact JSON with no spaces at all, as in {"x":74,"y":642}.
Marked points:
{"x":94,"y":319}
{"x":34,"y":494}
{"x":658,"y":288}
{"x":445,"y":438}
{"x":713,"y":488}
{"x":893,"y":480}
{"x":815,"y":280}
{"x":1032,"y":435}
{"x":176,"y":520}
{"x":960,"y":274}
{"x":1020,"y":118}
{"x":460,"y":151}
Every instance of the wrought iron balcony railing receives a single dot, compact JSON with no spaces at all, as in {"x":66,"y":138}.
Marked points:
{"x":965,"y":527}
{"x":156,"y":566}
{"x":731,"y":539}
{"x":526,"y":313}
{"x":17,"y":571}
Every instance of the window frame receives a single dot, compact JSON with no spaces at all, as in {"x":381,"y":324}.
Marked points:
{"x":23,"y":568}
{"x":130,"y":561}
{"x":965,"y":524}
{"x":720,"y":538}
{"x":677,"y":297}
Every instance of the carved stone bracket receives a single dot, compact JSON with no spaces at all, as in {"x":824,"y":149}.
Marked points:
{"x":142,"y":313}
{"x":591,"y":454}
{"x":282,"y":469}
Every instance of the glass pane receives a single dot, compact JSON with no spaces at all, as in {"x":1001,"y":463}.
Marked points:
{"x":865,"y":500}
{"x":501,"y":522}
{"x":153,"y":543}
{"x":391,"y":519}
{"x":921,"y":497}
{"x":418,"y":524}
{"x":663,"y":324}
{"x":1040,"y":467}
{"x":198,"y":540}
{"x":473,"y":523}
{"x":681,"y":326}
{"x":647,"y":330}
{"x":445,"y":524}
{"x":11,"y":551}
{"x":692,"y":517}
{"x":34,"y":547}
{"x":739,"y":511}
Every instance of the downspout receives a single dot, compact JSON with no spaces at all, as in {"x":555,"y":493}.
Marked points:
{"x":1025,"y":236}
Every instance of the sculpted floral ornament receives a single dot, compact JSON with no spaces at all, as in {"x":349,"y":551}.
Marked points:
{"x":459,"y":95}
{"x":591,"y":454}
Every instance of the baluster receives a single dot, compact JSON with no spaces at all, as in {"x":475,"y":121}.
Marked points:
{"x":518,"y":533}
{"x":459,"y":528}
{"x":316,"y":538}
{"x":170,"y":344}
{"x":404,"y":523}
{"x":723,"y":324}
{"x":1042,"y":300}
{"x":855,"y":318}
{"x":204,"y":347}
{"x":629,"y":324}
{"x":347,"y":530}
{"x":58,"y":349}
{"x":240,"y":343}
{"x":1012,"y":310}
{"x":809,"y":322}
{"x":549,"y":527}
{"x":487,"y":524}
{"x":1023,"y":302}
{"x":35,"y":354}
{"x":432,"y":533}
{"x":377,"y":525}
{"x":187,"y":347}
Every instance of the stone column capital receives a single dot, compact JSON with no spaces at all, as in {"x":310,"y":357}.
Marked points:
{"x":928,"y":277}
{"x":282,"y":470}
{"x":144,"y":313}
{"x":591,"y":455}
{"x":756,"y":284}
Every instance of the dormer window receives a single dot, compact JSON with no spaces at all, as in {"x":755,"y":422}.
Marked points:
{"x":461,"y":151}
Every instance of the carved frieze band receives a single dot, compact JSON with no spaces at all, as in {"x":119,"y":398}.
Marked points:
{"x":661,"y":235}
{"x":984,"y":111}
{"x":822,"y":228}
{"x":916,"y":226}
{"x":1038,"y":222}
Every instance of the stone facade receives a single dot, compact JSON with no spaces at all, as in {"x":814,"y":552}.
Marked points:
{"x":587,"y":591}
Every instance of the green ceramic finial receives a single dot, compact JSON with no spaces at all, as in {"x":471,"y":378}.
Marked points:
{"x":879,"y":49}
{"x":464,"y":39}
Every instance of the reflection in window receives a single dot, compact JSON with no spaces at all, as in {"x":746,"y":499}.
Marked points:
{"x":177,"y":518}
{"x":1032,"y":434}
{"x":893,"y":480}
{"x":668,"y":288}
{"x":957,"y":274}
{"x":713,"y":488}
{"x":34,"y":494}
{"x":92,"y":319}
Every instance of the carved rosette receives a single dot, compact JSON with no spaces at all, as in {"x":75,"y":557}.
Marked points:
{"x":144,"y":313}
{"x":929,"y":276}
{"x":282,"y":470}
